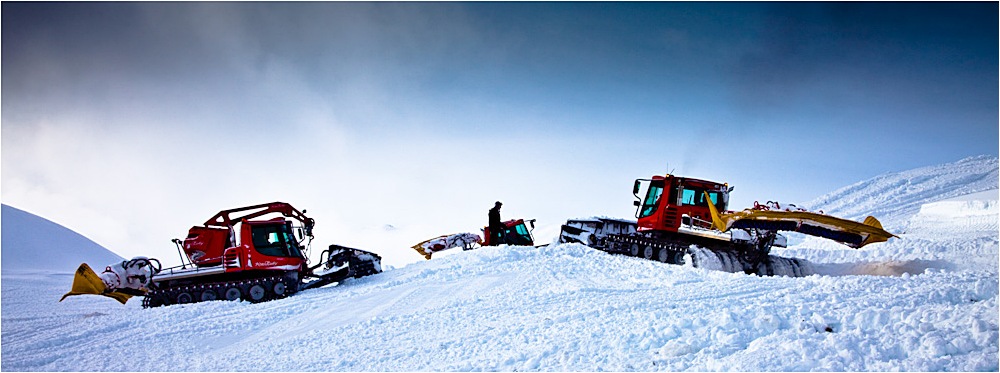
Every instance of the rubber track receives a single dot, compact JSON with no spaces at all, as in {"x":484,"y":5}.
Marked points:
{"x":168,"y":296}
{"x":656,"y":244}
{"x":623,"y":242}
{"x":770,"y":265}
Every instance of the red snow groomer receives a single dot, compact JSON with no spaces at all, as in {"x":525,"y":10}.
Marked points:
{"x":679,"y":215}
{"x":234,"y":255}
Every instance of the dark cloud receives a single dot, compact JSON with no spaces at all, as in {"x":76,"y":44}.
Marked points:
{"x":644,"y":83}
{"x":894,"y":48}
{"x":203,"y":59}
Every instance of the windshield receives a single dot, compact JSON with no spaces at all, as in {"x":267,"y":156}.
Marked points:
{"x":275,"y":240}
{"x":518,"y":235}
{"x":652,"y":199}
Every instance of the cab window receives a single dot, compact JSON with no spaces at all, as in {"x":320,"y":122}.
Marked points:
{"x":518,"y":235}
{"x":521,"y":230}
{"x":688,"y":197}
{"x":275,"y":240}
{"x":696,"y":197}
{"x":652,"y":200}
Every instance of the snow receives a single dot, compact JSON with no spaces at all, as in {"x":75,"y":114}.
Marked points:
{"x":925,"y":302}
{"x":895,"y":196}
{"x":32,"y":243}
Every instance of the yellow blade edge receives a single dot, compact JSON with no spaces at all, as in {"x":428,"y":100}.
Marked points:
{"x":881,"y":235}
{"x":717,"y":220}
{"x":872,"y":222}
{"x":419,"y":248}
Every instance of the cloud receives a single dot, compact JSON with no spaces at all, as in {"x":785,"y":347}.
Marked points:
{"x":132,"y":121}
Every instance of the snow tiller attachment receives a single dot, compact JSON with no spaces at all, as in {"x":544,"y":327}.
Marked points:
{"x":679,"y":219}
{"x":233,"y":257}
{"x":770,"y":216}
{"x":467,"y":241}
{"x":119,"y":281}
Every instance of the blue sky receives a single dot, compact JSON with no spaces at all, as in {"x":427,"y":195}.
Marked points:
{"x":129,"y":122}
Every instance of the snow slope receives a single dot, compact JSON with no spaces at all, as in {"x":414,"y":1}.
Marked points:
{"x":946,"y":215}
{"x":895,"y":196}
{"x":31,"y":243}
{"x":914,"y":304}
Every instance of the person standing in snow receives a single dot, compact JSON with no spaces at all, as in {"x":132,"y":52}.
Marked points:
{"x":496,"y":227}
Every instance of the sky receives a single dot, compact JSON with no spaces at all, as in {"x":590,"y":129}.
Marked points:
{"x":391,"y":123}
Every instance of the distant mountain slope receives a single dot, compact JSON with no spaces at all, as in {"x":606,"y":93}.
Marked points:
{"x":893,"y":197}
{"x":32,"y":243}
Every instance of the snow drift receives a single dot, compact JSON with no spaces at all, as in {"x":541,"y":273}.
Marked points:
{"x":571,"y":308}
{"x":895,"y":196}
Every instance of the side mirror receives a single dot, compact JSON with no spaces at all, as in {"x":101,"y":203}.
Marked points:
{"x":635,"y":203}
{"x":635,"y":188}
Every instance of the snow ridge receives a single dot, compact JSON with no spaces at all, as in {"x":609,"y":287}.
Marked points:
{"x":893,"y":197}
{"x":565,"y":308}
{"x":926,"y":302}
{"x":32,"y":243}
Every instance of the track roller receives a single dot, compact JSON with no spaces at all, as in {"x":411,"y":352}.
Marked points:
{"x":648,"y":252}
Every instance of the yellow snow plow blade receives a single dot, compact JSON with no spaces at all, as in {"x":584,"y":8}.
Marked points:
{"x":466,"y":241}
{"x":848,"y":232}
{"x":86,"y":281}
{"x":425,"y":252}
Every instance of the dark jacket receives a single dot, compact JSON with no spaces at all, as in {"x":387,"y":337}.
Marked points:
{"x":495,"y":223}
{"x":496,"y":227}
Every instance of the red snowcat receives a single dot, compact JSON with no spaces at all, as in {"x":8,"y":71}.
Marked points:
{"x":677,"y":215}
{"x":236,"y":254}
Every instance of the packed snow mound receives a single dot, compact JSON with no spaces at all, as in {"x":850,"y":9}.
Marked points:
{"x":926,"y":302}
{"x":973,"y":205}
{"x":963,"y":213}
{"x":894,"y":197}
{"x":928,"y":240}
{"x":558,"y":308}
{"x":32,"y":243}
